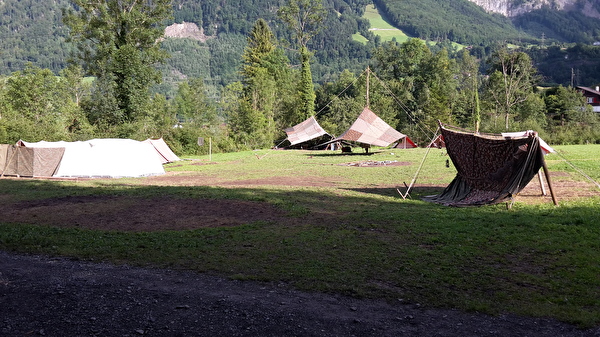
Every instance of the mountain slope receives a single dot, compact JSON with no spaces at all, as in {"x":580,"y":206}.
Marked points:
{"x":32,"y":31}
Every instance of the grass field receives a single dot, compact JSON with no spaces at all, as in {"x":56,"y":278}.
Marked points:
{"x":340,"y":226}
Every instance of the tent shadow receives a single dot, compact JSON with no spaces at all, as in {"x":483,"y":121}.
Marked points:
{"x":336,"y":154}
{"x":416,"y":192}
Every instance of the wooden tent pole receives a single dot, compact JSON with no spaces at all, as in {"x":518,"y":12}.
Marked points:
{"x":368,"y":75}
{"x":542,"y":183}
{"x":548,"y":180}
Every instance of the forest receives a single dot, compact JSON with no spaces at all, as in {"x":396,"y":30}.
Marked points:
{"x":259,"y":73}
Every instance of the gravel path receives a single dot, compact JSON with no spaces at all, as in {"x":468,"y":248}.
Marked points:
{"x":42,"y":296}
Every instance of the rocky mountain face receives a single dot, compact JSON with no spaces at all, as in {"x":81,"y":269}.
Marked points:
{"x":513,"y":8}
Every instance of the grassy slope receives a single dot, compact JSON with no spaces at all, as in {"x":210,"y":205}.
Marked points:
{"x":383,"y":29}
{"x":535,"y":260}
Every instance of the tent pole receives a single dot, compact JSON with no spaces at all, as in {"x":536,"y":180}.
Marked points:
{"x":542,"y":183}
{"x":368,"y":74}
{"x":548,"y":180}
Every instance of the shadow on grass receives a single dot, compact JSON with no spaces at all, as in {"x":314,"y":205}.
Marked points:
{"x":337,"y":154}
{"x":415,"y":193}
{"x":489,"y":257}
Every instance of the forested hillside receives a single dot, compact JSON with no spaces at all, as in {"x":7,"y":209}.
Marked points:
{"x":32,"y":31}
{"x":458,"y":20}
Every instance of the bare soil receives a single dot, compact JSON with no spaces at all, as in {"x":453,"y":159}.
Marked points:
{"x":50,"y":296}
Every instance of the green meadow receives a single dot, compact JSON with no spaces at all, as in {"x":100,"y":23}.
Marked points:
{"x":343,"y":228}
{"x":387,"y":32}
{"x":381,"y":27}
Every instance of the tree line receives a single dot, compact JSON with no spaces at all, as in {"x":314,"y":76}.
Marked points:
{"x":109,"y":91}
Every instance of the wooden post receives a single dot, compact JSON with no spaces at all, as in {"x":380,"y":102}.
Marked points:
{"x":548,"y":180}
{"x":542,"y":183}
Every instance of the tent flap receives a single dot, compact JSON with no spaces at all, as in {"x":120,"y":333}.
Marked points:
{"x":163,"y":150}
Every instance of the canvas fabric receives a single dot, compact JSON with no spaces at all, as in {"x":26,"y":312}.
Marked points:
{"x":29,"y":162}
{"x":104,"y":158}
{"x":305,"y":131}
{"x":163,"y":150}
{"x":490,"y":168}
{"x":370,"y":129}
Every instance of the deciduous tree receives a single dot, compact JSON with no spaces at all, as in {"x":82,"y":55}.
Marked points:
{"x":118,"y":41}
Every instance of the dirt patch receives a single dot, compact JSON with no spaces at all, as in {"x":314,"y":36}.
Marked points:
{"x":182,"y":179}
{"x":137,"y":214}
{"x":373,"y":163}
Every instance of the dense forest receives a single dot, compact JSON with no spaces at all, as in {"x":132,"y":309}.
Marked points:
{"x":32,"y":31}
{"x":257,"y":73}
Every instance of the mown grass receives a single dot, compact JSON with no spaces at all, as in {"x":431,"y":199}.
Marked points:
{"x":382,"y":28}
{"x":387,"y":32}
{"x":532,"y":259}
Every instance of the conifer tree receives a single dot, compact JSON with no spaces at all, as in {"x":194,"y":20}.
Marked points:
{"x":304,"y":18}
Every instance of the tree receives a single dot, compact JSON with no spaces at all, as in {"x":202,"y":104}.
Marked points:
{"x":565,"y":104}
{"x":424,"y":81}
{"x":38,"y":106}
{"x":512,"y":78}
{"x":304,"y":18}
{"x":118,"y":42}
{"x":266,"y":89}
{"x":466,"y":109}
{"x":192,"y":105}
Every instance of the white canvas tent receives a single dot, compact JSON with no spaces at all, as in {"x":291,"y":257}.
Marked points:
{"x":109,"y":158}
{"x":163,"y":150}
{"x":305,"y":131}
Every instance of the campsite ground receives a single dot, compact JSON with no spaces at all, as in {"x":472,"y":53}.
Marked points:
{"x":44,"y":296}
{"x":65,"y":297}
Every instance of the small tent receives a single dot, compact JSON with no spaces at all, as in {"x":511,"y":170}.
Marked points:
{"x":107,"y":158}
{"x":437,"y":142}
{"x":405,"y":143}
{"x":491,"y":168}
{"x":371,"y":130}
{"x":163,"y":150}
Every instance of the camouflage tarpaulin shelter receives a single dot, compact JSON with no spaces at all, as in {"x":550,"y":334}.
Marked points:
{"x":491,"y":168}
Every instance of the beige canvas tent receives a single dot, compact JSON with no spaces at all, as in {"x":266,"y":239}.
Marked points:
{"x":163,"y":150}
{"x":371,"y":130}
{"x":29,"y":162}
